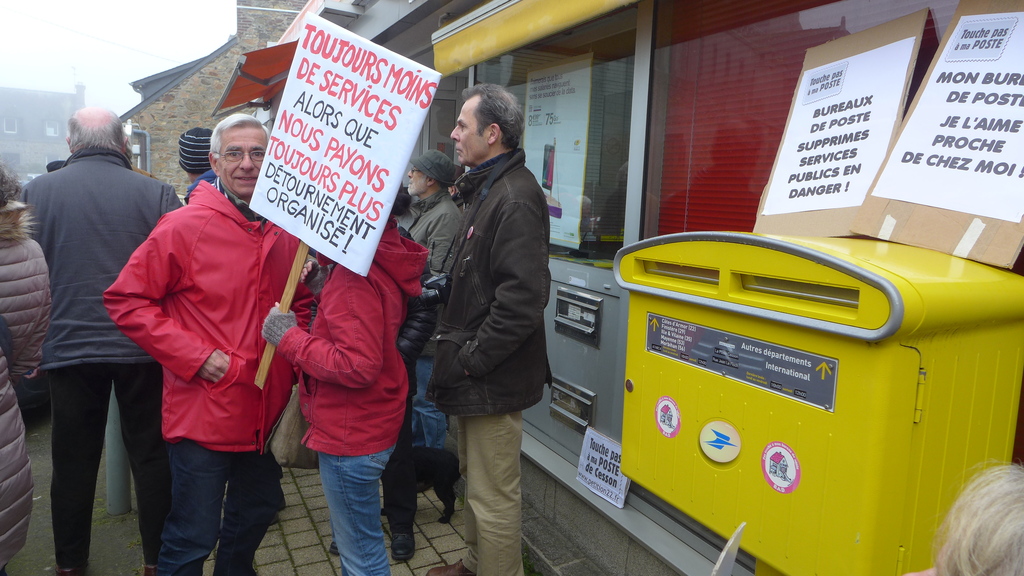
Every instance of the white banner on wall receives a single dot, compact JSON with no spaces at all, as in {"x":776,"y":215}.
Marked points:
{"x":349,"y":117}
{"x":555,"y":141}
{"x":839,"y":131}
{"x":962,"y":148}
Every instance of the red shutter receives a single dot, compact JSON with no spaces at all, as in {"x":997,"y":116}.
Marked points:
{"x":732,"y":66}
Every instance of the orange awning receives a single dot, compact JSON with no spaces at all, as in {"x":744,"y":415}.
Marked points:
{"x":259,"y":76}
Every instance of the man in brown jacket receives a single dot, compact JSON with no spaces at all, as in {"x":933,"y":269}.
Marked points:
{"x":491,"y":359}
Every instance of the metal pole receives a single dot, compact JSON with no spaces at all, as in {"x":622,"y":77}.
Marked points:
{"x":119,"y":496}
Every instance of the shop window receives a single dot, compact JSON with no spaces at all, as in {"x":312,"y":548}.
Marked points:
{"x":576,"y":90}
{"x":51,"y":128}
{"x":10,"y":125}
{"x":723,"y":79}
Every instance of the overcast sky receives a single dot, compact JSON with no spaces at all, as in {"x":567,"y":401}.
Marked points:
{"x":105,"y":44}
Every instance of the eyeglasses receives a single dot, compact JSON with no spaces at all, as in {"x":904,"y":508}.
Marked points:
{"x":235,"y":156}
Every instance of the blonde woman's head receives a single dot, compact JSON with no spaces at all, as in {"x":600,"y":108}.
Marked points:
{"x":983,"y":534}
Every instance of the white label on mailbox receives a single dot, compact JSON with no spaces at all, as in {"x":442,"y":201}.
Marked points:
{"x":720,"y":441}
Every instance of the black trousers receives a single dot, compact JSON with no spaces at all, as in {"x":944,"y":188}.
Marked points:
{"x":399,"y":479}
{"x":80,"y":396}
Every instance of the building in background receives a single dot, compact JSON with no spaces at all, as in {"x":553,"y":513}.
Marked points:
{"x":185,"y":97}
{"x":33,"y":127}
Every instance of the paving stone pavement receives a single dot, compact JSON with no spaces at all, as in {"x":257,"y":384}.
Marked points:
{"x":297,"y":544}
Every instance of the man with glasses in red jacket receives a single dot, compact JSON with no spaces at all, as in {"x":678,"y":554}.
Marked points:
{"x":194,"y":296}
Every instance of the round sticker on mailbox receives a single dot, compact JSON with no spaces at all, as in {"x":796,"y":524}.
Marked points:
{"x":720,"y":441}
{"x":781,"y":468}
{"x":666,"y":411}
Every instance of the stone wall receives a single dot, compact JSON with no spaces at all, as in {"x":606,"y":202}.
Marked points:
{"x":191,"y":103}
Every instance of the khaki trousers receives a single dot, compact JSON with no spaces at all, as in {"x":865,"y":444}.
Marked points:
{"x":489,"y":448}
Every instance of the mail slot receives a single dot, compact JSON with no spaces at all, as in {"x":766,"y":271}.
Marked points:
{"x":572,"y":405}
{"x":578,"y":316}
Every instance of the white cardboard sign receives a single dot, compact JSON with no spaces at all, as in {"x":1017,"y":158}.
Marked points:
{"x":349,"y":117}
{"x":962,"y":148}
{"x":600,"y":468}
{"x":839,"y":130}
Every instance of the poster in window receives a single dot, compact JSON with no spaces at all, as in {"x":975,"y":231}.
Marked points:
{"x":555,"y":141}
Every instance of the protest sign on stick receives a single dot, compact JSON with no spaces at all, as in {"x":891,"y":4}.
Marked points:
{"x":347,"y":123}
{"x":346,"y":126}
{"x":283,"y":306}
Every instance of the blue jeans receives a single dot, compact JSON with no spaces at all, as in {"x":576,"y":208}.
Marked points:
{"x":429,"y":425}
{"x":351,"y":486}
{"x":198,"y":480}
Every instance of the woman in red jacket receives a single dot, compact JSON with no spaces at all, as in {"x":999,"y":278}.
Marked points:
{"x":354,"y":390}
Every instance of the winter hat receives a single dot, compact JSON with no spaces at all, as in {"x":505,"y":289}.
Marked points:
{"x":194,"y":150}
{"x":435,"y":164}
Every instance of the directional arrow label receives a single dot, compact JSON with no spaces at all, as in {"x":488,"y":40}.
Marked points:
{"x":798,"y":374}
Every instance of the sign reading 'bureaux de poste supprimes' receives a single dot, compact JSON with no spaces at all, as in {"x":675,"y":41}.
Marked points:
{"x":349,"y":117}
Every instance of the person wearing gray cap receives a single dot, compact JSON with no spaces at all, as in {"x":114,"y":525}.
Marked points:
{"x":432,"y":221}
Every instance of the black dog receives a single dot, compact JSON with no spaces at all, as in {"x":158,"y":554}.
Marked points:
{"x":440,"y":469}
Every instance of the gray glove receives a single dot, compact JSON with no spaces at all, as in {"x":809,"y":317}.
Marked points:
{"x":276,"y":324}
{"x":317,"y":277}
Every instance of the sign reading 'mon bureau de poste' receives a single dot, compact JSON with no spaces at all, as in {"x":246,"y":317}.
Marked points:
{"x":802,"y":376}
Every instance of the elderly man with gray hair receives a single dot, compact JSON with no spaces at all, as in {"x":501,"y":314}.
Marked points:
{"x":194,"y":295}
{"x":92,"y":214}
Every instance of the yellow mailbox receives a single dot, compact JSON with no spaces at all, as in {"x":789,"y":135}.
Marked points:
{"x":832,"y":393}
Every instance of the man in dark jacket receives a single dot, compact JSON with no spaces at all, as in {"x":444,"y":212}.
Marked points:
{"x":398,"y":481}
{"x":491,"y":359}
{"x":92,"y":214}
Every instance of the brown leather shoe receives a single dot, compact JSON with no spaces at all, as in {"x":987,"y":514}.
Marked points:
{"x":70,"y":571}
{"x":456,"y":569}
{"x":149,"y":570}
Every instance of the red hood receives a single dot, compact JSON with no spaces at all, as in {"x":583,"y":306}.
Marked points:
{"x":403,"y":260}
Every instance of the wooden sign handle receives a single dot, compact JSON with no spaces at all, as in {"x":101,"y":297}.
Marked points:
{"x":286,"y":303}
